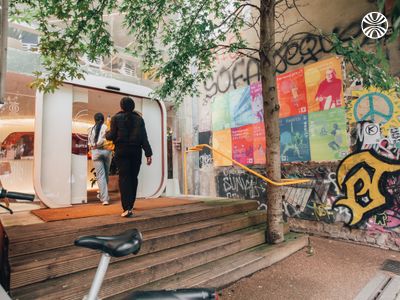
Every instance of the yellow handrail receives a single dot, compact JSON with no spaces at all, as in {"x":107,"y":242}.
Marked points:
{"x":201,"y":146}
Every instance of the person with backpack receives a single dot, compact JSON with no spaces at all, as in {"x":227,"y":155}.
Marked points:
{"x":128,"y":133}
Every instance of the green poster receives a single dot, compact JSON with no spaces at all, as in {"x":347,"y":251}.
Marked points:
{"x":328,"y":138}
{"x":220,"y":113}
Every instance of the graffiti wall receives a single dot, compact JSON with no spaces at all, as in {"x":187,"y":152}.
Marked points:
{"x":345,"y":139}
{"x":362,"y":189}
{"x":237,"y":183}
{"x":348,"y":146}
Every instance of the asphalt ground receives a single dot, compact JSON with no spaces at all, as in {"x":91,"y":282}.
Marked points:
{"x":333,"y":270}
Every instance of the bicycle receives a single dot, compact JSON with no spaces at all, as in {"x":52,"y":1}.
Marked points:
{"x":129,"y":242}
{"x":4,"y":194}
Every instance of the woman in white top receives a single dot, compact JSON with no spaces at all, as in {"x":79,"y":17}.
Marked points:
{"x":101,"y":156}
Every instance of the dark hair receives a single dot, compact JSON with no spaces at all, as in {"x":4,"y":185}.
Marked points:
{"x":99,"y":119}
{"x":128,"y":105}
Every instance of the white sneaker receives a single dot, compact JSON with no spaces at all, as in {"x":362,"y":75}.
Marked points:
{"x":105,"y":203}
{"x":127,"y":214}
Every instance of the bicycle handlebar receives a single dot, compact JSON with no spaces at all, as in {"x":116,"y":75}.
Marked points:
{"x":4,"y":194}
{"x":15,"y":195}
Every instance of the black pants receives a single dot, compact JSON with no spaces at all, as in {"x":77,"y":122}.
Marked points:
{"x":128,"y":160}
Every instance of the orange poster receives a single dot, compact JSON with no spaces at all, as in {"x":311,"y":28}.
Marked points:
{"x":259,"y":143}
{"x":223,"y":143}
{"x":291,"y":93}
{"x":324,"y":83}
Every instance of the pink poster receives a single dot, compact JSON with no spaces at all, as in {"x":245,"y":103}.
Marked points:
{"x":259,"y":143}
{"x":257,"y":102}
{"x":242,"y":144}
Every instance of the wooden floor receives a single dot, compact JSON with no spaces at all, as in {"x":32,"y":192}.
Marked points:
{"x":46,"y":265}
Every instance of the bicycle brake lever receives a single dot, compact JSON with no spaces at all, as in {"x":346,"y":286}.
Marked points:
{"x":6,"y":208}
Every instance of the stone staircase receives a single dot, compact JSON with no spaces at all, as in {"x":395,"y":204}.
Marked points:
{"x":208,"y":244}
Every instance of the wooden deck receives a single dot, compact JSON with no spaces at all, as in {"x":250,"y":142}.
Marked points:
{"x":45,"y":264}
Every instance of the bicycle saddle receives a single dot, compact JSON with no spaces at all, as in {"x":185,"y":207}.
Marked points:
{"x":128,"y":242}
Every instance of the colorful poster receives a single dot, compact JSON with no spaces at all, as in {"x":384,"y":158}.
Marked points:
{"x":223,"y":143}
{"x":324,"y":84}
{"x":291,"y":93}
{"x":205,"y":155}
{"x":295,"y":144}
{"x":372,"y":105}
{"x":257,"y":105}
{"x":328,"y":138}
{"x":259,"y":143}
{"x":221,"y":118}
{"x":240,"y":107}
{"x":242,"y":144}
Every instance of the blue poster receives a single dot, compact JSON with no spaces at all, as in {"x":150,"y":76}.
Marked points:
{"x":295,"y":145}
{"x":240,"y":107}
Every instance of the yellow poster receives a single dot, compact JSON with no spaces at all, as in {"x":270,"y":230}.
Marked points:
{"x":373,"y":105}
{"x":222,"y":142}
{"x":324,"y":84}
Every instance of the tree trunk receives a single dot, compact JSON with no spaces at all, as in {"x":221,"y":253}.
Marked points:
{"x":274,"y":233}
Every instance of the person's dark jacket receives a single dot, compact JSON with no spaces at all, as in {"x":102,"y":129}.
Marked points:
{"x":129,"y":131}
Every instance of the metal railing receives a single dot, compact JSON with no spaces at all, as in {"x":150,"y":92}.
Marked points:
{"x":202,"y":146}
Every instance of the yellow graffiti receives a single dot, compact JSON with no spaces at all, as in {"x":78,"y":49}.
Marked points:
{"x":321,"y":210}
{"x":369,"y":191}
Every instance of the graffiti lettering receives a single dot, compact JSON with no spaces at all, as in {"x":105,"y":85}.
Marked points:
{"x":301,"y":48}
{"x":234,"y":183}
{"x":232,"y":77}
{"x":321,"y":210}
{"x":205,"y":160}
{"x":360,"y":177}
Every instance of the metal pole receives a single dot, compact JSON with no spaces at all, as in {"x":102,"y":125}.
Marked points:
{"x":185,"y":172}
{"x":98,"y":278}
{"x":3,"y":49}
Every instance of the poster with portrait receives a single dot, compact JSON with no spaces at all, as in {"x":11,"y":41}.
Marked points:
{"x":222,"y":141}
{"x":324,"y":84}
{"x":379,"y":107}
{"x":328,"y":138}
{"x":240,"y":107}
{"x":205,"y":155}
{"x":291,"y":93}
{"x":259,"y":143}
{"x":257,"y":105}
{"x":220,"y":115}
{"x":294,"y":143}
{"x":242,"y":144}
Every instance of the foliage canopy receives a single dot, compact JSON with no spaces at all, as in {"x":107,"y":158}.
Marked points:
{"x":178,"y":39}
